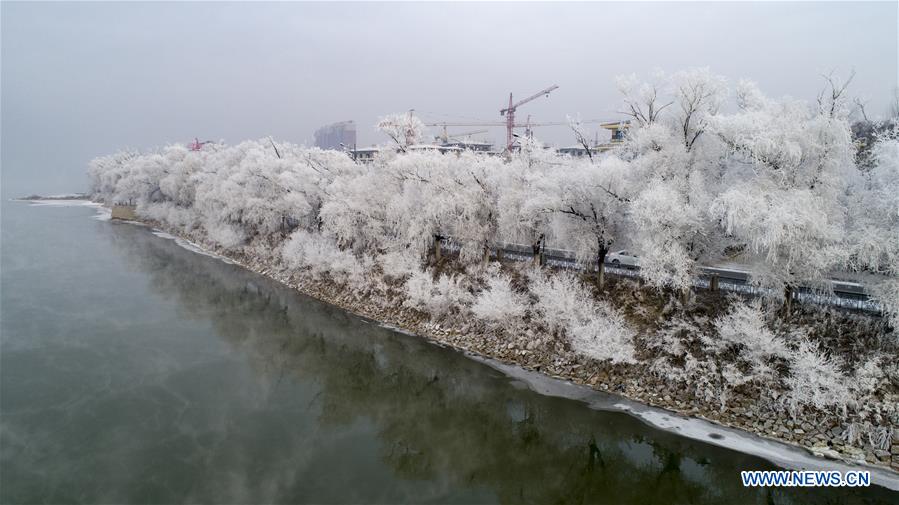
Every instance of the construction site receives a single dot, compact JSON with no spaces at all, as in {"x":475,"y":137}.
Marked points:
{"x":607,"y":134}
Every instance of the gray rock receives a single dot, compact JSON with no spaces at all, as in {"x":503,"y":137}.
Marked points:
{"x":855,"y":452}
{"x":829,"y":453}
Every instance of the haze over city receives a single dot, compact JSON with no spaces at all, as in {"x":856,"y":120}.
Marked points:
{"x":81,"y":80}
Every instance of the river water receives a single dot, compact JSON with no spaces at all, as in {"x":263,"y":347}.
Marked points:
{"x":135,"y":371}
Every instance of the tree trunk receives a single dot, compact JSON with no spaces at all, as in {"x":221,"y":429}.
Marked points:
{"x":713,"y":283}
{"x":601,"y":267}
{"x":788,"y":299}
{"x":437,"y":254}
{"x":537,"y":250}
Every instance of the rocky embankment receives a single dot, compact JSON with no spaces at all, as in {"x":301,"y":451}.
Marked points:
{"x":822,"y":433}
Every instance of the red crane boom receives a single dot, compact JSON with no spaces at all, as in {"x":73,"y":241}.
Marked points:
{"x":509,"y":112}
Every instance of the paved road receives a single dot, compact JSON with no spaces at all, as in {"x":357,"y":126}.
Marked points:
{"x":846,"y":294}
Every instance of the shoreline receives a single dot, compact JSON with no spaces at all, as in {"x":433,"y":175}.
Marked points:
{"x":635,"y":399}
{"x":788,"y":456}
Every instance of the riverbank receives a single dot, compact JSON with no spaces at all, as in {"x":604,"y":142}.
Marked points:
{"x":825,"y":434}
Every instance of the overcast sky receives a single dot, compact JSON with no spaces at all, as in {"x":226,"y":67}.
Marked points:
{"x":82,"y":80}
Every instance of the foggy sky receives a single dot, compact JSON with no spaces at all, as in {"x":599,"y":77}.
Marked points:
{"x":82,"y":80}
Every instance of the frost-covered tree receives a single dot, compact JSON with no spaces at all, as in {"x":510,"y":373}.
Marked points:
{"x":872,"y":204}
{"x":252,"y":190}
{"x":474,"y":195}
{"x":698,"y":94}
{"x":422,"y":210}
{"x":670,"y":231}
{"x":641,"y":99}
{"x":765,"y":180}
{"x":594,"y":328}
{"x":499,"y":304}
{"x":107,"y":173}
{"x":324,"y":259}
{"x":771,"y":184}
{"x":441,"y":297}
{"x":592,"y":209}
{"x":356,"y":210}
{"x":529,"y":195}
{"x":674,"y":169}
{"x":787,"y":164}
{"x":743,"y":331}
{"x":403,"y":129}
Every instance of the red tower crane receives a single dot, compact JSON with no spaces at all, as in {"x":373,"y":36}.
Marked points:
{"x":509,"y":112}
{"x":196,"y":145}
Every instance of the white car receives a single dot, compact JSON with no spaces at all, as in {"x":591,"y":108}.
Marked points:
{"x":623,"y":258}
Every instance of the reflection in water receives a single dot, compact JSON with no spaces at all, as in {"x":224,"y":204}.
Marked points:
{"x":309,"y":403}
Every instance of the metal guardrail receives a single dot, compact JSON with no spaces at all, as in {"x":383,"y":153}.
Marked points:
{"x":847,"y":295}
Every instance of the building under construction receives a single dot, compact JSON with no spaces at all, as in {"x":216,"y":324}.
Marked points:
{"x":617,"y":129}
{"x":340,"y":135}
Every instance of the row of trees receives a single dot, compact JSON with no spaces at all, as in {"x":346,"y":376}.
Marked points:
{"x":709,"y":171}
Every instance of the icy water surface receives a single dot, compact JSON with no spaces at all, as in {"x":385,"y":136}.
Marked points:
{"x":135,"y":371}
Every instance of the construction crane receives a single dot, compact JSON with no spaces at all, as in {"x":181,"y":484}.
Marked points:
{"x":517,"y":125}
{"x":527,"y":125}
{"x":509,"y":112}
{"x":196,"y":145}
{"x":444,"y":124}
{"x":445,"y":137}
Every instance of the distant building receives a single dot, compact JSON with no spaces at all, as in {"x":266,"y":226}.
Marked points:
{"x":576,"y":151}
{"x":368,"y":154}
{"x":434,"y":148}
{"x":618,"y":130}
{"x":469,"y":145}
{"x":364,"y":154}
{"x":333,"y":135}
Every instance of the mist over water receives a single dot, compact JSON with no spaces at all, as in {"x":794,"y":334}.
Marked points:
{"x":135,"y":371}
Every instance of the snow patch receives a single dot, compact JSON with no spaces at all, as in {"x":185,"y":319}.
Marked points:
{"x":192,"y":247}
{"x":103,"y":214}
{"x":63,"y":203}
